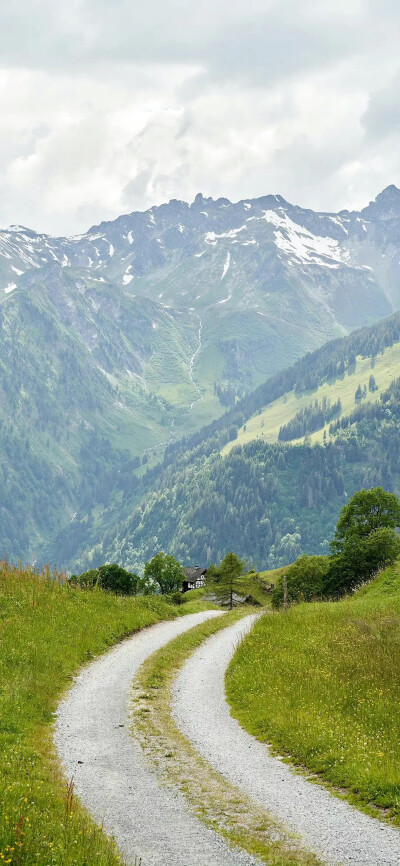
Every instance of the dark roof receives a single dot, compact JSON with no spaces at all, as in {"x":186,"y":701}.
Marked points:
{"x":195,"y":573}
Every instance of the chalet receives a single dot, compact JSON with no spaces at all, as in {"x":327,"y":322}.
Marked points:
{"x":194,"y":578}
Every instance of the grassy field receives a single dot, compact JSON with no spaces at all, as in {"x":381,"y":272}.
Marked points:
{"x":46,"y":632}
{"x":321,"y":683}
{"x":265,"y":426}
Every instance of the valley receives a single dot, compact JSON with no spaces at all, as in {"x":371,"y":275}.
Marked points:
{"x":269,"y":501}
{"x":117,"y":343}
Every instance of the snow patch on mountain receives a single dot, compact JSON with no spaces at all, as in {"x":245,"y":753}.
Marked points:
{"x":305,"y":247}
{"x":224,"y":300}
{"x":212,"y":238}
{"x":226,"y":266}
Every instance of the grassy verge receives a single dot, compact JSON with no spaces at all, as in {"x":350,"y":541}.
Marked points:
{"x":322,"y":685}
{"x":46,"y":632}
{"x":216,"y":802}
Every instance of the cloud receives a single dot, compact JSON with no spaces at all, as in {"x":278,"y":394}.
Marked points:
{"x":108,"y":107}
{"x":382,"y":116}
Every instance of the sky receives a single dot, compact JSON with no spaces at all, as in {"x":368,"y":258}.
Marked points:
{"x":111,"y":106}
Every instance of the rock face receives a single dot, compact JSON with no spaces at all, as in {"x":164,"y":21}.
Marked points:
{"x":269,"y":280}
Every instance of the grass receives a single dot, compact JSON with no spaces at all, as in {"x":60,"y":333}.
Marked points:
{"x":218,"y":803}
{"x":47,"y":631}
{"x":321,"y":683}
{"x":265,"y":426}
{"x":257,"y":584}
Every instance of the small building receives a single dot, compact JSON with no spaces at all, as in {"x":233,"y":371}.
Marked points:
{"x":194,"y":578}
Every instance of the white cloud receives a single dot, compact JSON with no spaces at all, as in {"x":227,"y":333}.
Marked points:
{"x":107,"y":108}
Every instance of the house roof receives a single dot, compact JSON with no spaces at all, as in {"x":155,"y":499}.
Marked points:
{"x":195,"y":573}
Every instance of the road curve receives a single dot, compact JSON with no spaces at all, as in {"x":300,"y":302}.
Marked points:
{"x":111,"y":777}
{"x":337,"y":832}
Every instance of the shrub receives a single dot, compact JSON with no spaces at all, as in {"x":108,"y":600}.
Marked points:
{"x":116,"y":579}
{"x":306,"y":580}
{"x":175,"y":597}
{"x":111,"y":577}
{"x":88,"y":579}
{"x":360,"y":559}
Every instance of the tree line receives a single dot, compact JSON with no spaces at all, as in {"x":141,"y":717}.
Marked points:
{"x":309,"y":419}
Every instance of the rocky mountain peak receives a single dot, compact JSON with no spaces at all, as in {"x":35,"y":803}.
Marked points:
{"x":386,"y":205}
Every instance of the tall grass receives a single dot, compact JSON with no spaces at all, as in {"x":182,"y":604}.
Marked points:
{"x":46,"y":631}
{"x":321,"y":683}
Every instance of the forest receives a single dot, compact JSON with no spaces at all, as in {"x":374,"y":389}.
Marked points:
{"x":268,"y":502}
{"x":309,"y":419}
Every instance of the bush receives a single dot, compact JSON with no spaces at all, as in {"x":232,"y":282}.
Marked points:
{"x":175,"y":597}
{"x":306,"y":580}
{"x":361,"y":559}
{"x":88,"y":579}
{"x":116,"y":579}
{"x":110,"y":577}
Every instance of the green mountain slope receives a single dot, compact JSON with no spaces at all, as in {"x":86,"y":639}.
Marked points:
{"x":268,"y":502}
{"x":267,"y":423}
{"x":85,"y":376}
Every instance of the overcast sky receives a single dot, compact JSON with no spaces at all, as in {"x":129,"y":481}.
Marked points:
{"x":109,"y":106}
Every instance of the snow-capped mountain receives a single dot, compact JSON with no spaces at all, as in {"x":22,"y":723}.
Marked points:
{"x":115,"y":342}
{"x":290,"y":272}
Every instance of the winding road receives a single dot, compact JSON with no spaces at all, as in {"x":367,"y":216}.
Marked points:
{"x":111,"y":776}
{"x":337,"y":832}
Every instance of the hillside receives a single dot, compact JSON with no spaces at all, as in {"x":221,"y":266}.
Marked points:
{"x":116,"y":343}
{"x":266,"y":424}
{"x":268,"y":502}
{"x":336,"y":667}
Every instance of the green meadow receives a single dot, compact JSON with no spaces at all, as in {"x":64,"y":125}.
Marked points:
{"x":266,"y":424}
{"x":321,"y":684}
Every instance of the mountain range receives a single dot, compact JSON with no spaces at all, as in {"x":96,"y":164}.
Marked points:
{"x":117,"y":342}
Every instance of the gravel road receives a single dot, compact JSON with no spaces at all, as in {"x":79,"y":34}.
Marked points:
{"x":334,"y":830}
{"x":110,"y":774}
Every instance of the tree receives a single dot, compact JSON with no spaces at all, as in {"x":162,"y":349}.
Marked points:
{"x":110,"y":577}
{"x":165,"y":572}
{"x":306,"y":580}
{"x":365,"y":539}
{"x":114,"y":578}
{"x":358,"y":394}
{"x":366,"y":512}
{"x":362,"y":557}
{"x":223,"y":580}
{"x":372,"y":383}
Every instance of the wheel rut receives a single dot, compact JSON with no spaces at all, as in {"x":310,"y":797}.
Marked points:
{"x":336,"y":831}
{"x":110,"y":773}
